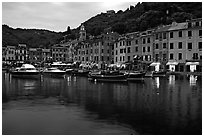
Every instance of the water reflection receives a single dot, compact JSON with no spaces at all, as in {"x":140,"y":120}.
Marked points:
{"x":157,"y":106}
{"x":193,"y":80}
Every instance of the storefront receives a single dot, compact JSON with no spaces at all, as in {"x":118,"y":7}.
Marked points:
{"x":191,"y":66}
{"x":172,"y":66}
{"x":156,"y":66}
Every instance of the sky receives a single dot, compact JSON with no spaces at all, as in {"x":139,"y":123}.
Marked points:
{"x":55,"y":16}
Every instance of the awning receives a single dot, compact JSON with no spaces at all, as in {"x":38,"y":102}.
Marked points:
{"x":172,"y":63}
{"x":192,"y":63}
{"x":155,"y":64}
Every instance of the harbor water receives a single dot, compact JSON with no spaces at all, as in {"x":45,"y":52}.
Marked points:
{"x":170,"y":105}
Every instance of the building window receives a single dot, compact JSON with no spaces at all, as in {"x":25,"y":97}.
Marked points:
{"x":157,"y":46}
{"x":180,"y":45}
{"x":164,"y":35}
{"x":189,"y":45}
{"x":189,"y":24}
{"x":148,"y":40}
{"x":171,"y":56}
{"x":200,"y":32}
{"x":195,"y":55}
{"x":164,"y":45}
{"x":197,"y":23}
{"x":148,"y":49}
{"x":157,"y":57}
{"x":116,"y":52}
{"x":143,"y":40}
{"x":143,"y":49}
{"x":128,"y":58}
{"x":157,"y":36}
{"x":164,"y":57}
{"x":171,"y":34}
{"x":121,"y":50}
{"x":189,"y":33}
{"x":128,"y":50}
{"x":120,"y":58}
{"x":101,"y":58}
{"x":171,"y":45}
{"x":180,"y":33}
{"x":116,"y":45}
{"x":180,"y":56}
{"x":116,"y":59}
{"x":199,"y":45}
{"x":136,"y":49}
{"x":136,"y":41}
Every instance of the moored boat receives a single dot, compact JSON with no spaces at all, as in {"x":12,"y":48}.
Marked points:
{"x":25,"y":71}
{"x":69,"y":71}
{"x":80,"y":72}
{"x":54,"y":72}
{"x":159,"y":73}
{"x":135,"y":76}
{"x":108,"y":77}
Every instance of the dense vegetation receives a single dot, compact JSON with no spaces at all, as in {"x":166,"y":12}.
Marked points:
{"x":30,"y":37}
{"x":143,"y":16}
{"x":136,"y":18}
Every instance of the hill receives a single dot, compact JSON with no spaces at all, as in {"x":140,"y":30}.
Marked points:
{"x":31,"y":37}
{"x":143,"y":16}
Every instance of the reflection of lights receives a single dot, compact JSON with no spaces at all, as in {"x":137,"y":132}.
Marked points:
{"x":193,"y":80}
{"x":68,"y":78}
{"x":157,"y":82}
{"x":172,"y":80}
{"x":29,"y":85}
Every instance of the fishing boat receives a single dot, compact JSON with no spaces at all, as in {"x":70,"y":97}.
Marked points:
{"x":54,"y":72}
{"x":69,"y":71}
{"x":159,"y":73}
{"x":108,"y":76}
{"x":25,"y":71}
{"x":135,"y":76}
{"x":80,"y":72}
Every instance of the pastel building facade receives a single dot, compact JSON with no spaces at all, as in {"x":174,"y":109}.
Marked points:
{"x":185,"y":46}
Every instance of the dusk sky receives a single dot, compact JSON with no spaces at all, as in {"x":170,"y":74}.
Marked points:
{"x":55,"y":16}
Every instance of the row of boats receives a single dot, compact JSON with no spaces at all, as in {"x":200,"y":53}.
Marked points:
{"x":29,"y":71}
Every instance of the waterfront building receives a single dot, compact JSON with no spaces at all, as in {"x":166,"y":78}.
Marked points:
{"x":59,"y":52}
{"x":32,"y":52}
{"x":21,"y":53}
{"x":146,"y":43}
{"x":194,"y":45}
{"x":4,"y":52}
{"x":97,"y":50}
{"x":132,"y":46}
{"x":120,"y":50}
{"x":46,"y":55}
{"x":185,"y":46}
{"x":160,"y":48}
{"x":106,"y":45}
{"x":10,"y":53}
